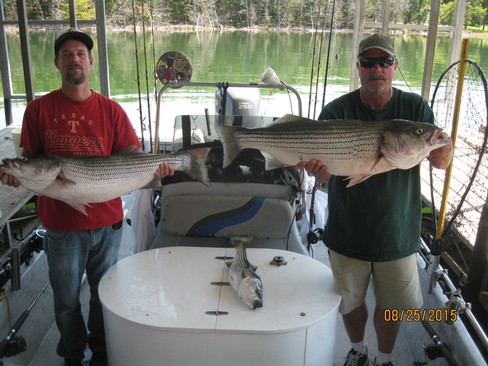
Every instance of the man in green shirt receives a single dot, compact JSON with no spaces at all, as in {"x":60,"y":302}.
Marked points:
{"x":373,"y":228}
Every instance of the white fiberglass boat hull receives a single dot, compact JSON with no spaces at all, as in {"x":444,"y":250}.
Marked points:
{"x":158,"y":301}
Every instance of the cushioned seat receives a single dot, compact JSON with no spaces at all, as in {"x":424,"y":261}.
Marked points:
{"x":207,"y":216}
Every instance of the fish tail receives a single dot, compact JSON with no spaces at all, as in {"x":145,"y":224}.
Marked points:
{"x":229,"y":143}
{"x":198,"y":169}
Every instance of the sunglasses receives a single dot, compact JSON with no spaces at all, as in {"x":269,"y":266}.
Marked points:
{"x":384,"y":62}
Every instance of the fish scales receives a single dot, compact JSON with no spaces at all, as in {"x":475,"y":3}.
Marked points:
{"x":79,"y":181}
{"x":351,"y":148}
{"x":93,"y":170}
{"x":242,"y":275}
{"x":317,"y":138}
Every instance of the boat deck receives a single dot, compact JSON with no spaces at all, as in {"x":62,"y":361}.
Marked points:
{"x":404,"y":353}
{"x":408,"y":350}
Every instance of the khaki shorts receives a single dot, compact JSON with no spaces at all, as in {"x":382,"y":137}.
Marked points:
{"x":396,"y":283}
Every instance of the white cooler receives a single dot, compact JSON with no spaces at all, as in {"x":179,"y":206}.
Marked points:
{"x":166,"y":307}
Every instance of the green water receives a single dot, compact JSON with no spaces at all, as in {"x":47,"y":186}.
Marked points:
{"x":229,"y":56}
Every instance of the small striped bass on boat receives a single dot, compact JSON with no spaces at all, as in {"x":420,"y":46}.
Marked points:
{"x":351,"y":148}
{"x":79,"y":181}
{"x":242,"y":275}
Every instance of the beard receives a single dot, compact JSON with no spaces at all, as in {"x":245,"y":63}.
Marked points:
{"x":75,"y":77}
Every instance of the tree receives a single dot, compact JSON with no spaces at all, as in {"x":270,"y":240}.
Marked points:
{"x":84,"y":10}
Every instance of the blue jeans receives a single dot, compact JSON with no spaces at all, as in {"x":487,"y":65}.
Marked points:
{"x":69,"y":255}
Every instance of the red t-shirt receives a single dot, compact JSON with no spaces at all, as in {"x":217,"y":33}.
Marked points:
{"x":55,"y":125}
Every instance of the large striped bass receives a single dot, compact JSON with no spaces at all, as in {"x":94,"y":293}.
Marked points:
{"x":242,"y":275}
{"x":79,"y":181}
{"x":350,"y":148}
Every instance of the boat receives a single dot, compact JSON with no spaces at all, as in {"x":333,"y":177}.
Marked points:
{"x":166,"y":296}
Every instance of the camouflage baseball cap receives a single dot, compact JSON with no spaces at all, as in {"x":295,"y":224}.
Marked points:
{"x":379,"y":41}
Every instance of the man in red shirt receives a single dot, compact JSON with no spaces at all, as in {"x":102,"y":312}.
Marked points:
{"x":77,"y":121}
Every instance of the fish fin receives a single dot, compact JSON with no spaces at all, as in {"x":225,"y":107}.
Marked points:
{"x":198,"y":169}
{"x":229,"y":144}
{"x":79,"y":206}
{"x":271,"y":162}
{"x":64,"y":181}
{"x":287,"y":118}
{"x":356,"y":179}
{"x":133,"y":149}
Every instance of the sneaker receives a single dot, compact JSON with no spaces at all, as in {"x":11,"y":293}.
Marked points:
{"x":68,"y":362}
{"x":355,"y":358}
{"x":389,"y":363}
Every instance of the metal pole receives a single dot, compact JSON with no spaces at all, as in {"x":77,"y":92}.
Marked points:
{"x":430,"y":48}
{"x":24,"y":45}
{"x":5,"y":69}
{"x":102,"y":48}
{"x":437,"y":243}
{"x":357,"y":31}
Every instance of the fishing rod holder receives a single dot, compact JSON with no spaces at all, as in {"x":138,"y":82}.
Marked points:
{"x":435,"y":273}
{"x":20,"y":254}
{"x":456,"y":305}
{"x":12,"y":347}
{"x":464,"y":307}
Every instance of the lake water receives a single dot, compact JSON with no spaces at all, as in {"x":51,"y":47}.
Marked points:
{"x":231,"y":56}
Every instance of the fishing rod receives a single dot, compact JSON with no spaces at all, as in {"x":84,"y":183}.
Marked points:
{"x":319,"y":61}
{"x":147,"y":76}
{"x":137,"y":71}
{"x":313,"y":62}
{"x":155,"y":78}
{"x":438,"y":348}
{"x":328,"y":51}
{"x":13,"y":344}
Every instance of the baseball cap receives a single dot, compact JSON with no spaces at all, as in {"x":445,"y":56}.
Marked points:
{"x":379,"y":41}
{"x":72,"y":33}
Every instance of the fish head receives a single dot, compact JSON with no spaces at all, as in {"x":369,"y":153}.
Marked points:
{"x":250,"y":289}
{"x":36,"y":172}
{"x":405,"y":144}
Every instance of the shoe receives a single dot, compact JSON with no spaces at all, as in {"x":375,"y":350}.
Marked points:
{"x":68,"y":362}
{"x":389,"y":363}
{"x":355,"y":358}
{"x":99,"y":359}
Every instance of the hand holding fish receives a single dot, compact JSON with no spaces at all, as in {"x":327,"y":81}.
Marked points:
{"x":165,"y":170}
{"x":353,"y":149}
{"x":79,"y":181}
{"x":315,"y":168}
{"x":8,"y":179}
{"x":441,"y":158}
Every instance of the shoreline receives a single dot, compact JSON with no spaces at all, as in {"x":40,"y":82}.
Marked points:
{"x":395,"y":29}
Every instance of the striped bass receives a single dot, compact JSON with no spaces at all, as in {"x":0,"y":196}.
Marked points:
{"x":79,"y":181}
{"x":350,"y":148}
{"x":242,"y":275}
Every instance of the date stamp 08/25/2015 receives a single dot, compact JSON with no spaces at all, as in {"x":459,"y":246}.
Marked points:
{"x":420,"y":315}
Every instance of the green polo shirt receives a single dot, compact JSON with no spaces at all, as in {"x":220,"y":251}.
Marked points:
{"x":380,"y":218}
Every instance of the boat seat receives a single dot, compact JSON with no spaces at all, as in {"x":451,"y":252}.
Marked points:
{"x":195,"y":215}
{"x":224,"y":216}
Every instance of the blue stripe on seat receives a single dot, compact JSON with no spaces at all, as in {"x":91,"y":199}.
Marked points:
{"x":212,"y":224}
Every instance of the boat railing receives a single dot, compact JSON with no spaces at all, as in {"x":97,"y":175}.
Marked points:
{"x":455,"y":301}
